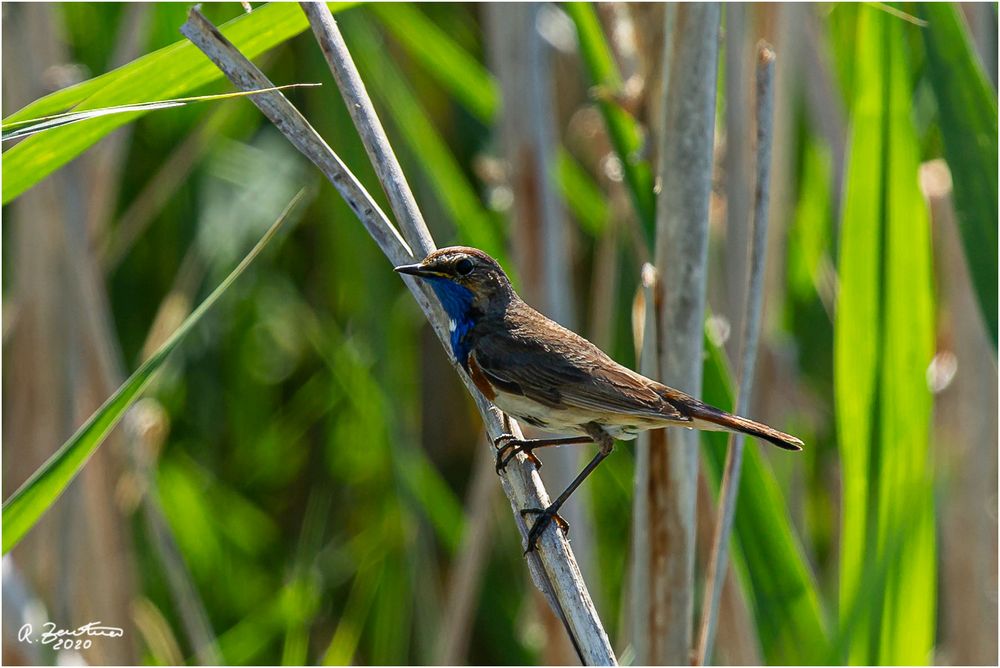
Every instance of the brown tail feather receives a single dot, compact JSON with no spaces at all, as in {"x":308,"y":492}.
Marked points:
{"x":711,"y":416}
{"x":729,"y":422}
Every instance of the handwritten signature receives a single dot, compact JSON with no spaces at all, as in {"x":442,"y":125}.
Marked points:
{"x":68,"y":638}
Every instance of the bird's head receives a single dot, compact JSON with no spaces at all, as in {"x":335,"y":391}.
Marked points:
{"x":466,"y":280}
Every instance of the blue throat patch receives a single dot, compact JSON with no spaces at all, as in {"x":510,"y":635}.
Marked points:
{"x":457,"y":301}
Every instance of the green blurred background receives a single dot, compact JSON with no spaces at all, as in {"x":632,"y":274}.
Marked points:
{"x":306,"y":480}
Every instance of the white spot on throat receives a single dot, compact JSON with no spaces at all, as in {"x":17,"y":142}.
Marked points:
{"x":452,"y":325}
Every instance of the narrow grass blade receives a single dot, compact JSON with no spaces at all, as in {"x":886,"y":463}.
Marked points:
{"x":40,"y":491}
{"x":968,"y":108}
{"x":810,"y":236}
{"x":431,"y":496}
{"x":456,"y":69}
{"x":623,"y":130}
{"x":32,"y":126}
{"x":855,"y":345}
{"x":168,"y":72}
{"x":476,"y":225}
{"x":582,"y":194}
{"x":781,"y":588}
{"x":347,"y":635}
{"x":905,"y":406}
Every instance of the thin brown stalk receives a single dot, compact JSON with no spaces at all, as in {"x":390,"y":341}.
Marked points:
{"x":965,"y":445}
{"x":556,"y":244}
{"x":604,"y":286}
{"x":646,"y":543}
{"x":466,"y":577}
{"x":647,"y":546}
{"x":736,"y":164}
{"x":751,"y":330}
{"x":106,"y":161}
{"x":738,"y":641}
{"x":145,"y":426}
{"x":664,"y":583}
{"x":62,"y":355}
{"x":553,"y":566}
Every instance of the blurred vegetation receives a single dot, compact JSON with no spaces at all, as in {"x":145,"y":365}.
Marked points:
{"x":300,"y":484}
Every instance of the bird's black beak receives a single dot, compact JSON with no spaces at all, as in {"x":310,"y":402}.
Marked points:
{"x":414,"y":270}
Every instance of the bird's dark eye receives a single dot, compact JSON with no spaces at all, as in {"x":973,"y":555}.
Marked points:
{"x":463,"y":267}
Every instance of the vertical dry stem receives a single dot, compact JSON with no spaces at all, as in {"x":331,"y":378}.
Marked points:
{"x":466,"y":576}
{"x":736,"y":164}
{"x":646,"y":543}
{"x":751,"y":330}
{"x":669,"y":485}
{"x":62,"y":364}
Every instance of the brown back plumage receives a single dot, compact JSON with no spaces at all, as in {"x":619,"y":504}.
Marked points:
{"x":556,"y":367}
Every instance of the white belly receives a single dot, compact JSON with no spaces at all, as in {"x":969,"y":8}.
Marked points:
{"x":571,"y":421}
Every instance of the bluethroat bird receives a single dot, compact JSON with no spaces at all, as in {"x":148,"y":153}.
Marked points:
{"x":540,"y":372}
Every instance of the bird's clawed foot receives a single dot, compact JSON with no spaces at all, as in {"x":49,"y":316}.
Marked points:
{"x":507,"y":448}
{"x":545,"y":517}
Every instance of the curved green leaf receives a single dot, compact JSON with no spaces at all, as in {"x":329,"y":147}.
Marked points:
{"x":33,"y":126}
{"x":460,"y":73}
{"x":24,"y":508}
{"x":780,"y":585}
{"x":166,"y":73}
{"x":582,"y":195}
{"x":623,"y":130}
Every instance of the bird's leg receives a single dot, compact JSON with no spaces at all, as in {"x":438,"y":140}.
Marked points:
{"x":551,"y":513}
{"x":511,"y":446}
{"x":527,"y":445}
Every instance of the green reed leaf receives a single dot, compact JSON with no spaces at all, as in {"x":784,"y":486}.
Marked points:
{"x":884,"y":341}
{"x":26,"y":128}
{"x":166,"y":73}
{"x":27,"y":505}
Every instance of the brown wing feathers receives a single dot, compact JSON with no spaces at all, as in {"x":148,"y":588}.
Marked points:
{"x":557,"y":368}
{"x":542,"y":361}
